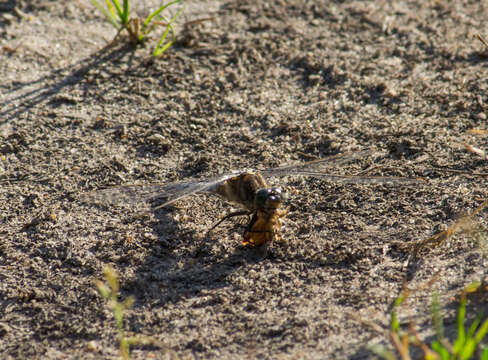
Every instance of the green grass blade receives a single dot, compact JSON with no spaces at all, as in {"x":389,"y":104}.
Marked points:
{"x":108,"y":14}
{"x":394,"y":323}
{"x":110,"y":8}
{"x":461,"y":337}
{"x":158,"y":50}
{"x":473,"y":327}
{"x":480,"y":334}
{"x":467,"y":349}
{"x":484,"y":353}
{"x":126,"y":11}
{"x":118,"y":316}
{"x":157,"y":12}
{"x":119,"y":11}
{"x":441,"y":350}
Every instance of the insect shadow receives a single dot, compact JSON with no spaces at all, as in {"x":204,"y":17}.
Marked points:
{"x":184,"y":264}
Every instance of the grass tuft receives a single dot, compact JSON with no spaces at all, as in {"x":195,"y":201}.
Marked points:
{"x":138,"y":29}
{"x":463,"y":347}
{"x":110,"y":292}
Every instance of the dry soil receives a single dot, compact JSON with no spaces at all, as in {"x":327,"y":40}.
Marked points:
{"x":256,"y":84}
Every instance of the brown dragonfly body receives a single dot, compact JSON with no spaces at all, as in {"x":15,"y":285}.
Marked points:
{"x":248,"y":189}
{"x":263,"y":203}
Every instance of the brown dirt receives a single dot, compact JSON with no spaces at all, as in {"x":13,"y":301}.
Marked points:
{"x":262,"y":84}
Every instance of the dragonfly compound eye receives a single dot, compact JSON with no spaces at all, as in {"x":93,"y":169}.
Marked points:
{"x":268,"y":198}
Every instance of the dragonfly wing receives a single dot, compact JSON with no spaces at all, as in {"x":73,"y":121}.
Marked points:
{"x":316,"y":165}
{"x":315,"y":169}
{"x":352,"y":179}
{"x":178,"y":191}
{"x":133,"y":194}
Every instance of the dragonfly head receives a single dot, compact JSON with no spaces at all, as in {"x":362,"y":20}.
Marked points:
{"x":268,"y":198}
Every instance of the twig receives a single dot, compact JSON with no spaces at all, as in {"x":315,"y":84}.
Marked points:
{"x":480,"y":38}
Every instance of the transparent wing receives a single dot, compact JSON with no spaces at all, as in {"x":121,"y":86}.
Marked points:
{"x":317,"y":169}
{"x":352,"y":179}
{"x":316,"y":165}
{"x":133,"y":194}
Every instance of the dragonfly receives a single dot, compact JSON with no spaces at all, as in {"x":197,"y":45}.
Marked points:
{"x":249,"y":189}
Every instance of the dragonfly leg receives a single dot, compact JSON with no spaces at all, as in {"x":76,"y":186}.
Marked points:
{"x":252,"y":222}
{"x":228,"y":216}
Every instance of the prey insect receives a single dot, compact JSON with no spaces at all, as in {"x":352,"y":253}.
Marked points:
{"x":249,"y":189}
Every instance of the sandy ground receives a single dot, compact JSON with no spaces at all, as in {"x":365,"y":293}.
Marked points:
{"x":263,"y":83}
